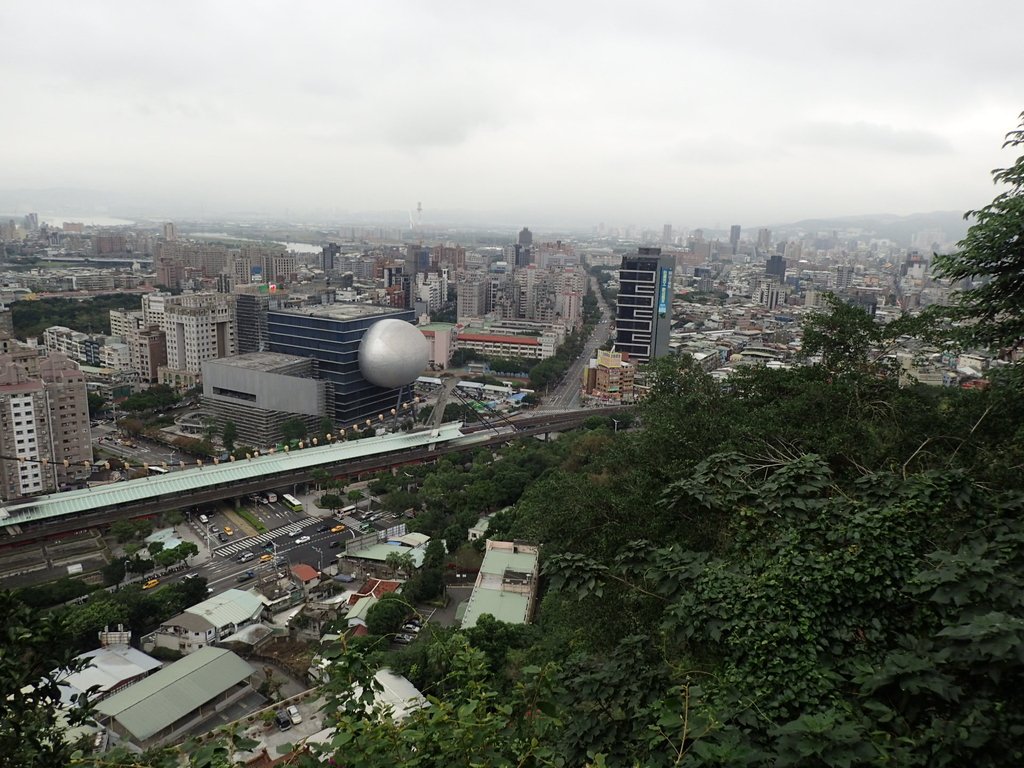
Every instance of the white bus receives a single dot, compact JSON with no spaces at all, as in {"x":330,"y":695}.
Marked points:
{"x":270,"y":497}
{"x":291,"y":502}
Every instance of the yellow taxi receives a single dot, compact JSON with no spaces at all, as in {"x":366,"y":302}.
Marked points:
{"x":228,"y":530}
{"x":151,"y":583}
{"x":338,"y":529}
{"x":266,"y":558}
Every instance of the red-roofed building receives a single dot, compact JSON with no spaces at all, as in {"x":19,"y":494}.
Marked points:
{"x":306,"y":574}
{"x":375,"y":587}
{"x":493,"y":345}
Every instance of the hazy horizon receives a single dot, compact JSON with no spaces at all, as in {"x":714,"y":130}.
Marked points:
{"x":563,"y":114}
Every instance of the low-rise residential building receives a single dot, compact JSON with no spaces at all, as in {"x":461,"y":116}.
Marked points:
{"x":609,"y":377}
{"x":208,"y":622}
{"x":506,"y":585}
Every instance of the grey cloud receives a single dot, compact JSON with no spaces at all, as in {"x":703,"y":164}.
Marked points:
{"x":872,"y":137}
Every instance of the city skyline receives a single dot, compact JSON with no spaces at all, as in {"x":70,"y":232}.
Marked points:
{"x":572,"y":114}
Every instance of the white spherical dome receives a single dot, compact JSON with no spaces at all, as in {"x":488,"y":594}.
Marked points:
{"x":393,"y":353}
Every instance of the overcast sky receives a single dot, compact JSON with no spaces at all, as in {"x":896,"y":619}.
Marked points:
{"x":691,"y":113}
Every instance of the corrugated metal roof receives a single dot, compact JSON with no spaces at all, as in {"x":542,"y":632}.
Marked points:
{"x":189,"y":480}
{"x":152,"y":704}
{"x":109,"y":668}
{"x":232,"y":606}
{"x":361,"y":607}
{"x":380,"y":552}
{"x":189,"y":621}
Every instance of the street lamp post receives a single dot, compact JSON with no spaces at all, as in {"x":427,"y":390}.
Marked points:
{"x":320,"y":559}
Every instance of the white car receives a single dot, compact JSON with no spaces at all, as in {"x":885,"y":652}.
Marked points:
{"x":293,"y":713}
{"x":302,"y":540}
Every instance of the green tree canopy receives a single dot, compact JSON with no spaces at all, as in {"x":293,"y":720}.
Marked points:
{"x":35,"y":656}
{"x":989,"y":302}
{"x":228,"y":434}
{"x":386,"y":616}
{"x":293,"y":429}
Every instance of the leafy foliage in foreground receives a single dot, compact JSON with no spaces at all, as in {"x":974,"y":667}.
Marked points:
{"x":813,"y":568}
{"x":990,"y":261}
{"x":831,"y":629}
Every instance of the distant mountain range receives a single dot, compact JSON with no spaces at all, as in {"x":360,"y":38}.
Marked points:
{"x":947,"y":227}
{"x":951,"y":225}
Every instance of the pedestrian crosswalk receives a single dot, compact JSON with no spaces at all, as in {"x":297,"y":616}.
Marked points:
{"x":243,"y":545}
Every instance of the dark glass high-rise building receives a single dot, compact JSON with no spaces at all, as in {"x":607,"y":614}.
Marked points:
{"x":329,"y":252}
{"x":643,"y":315}
{"x":776,"y":267}
{"x":734,"y":237}
{"x":525,"y":237}
{"x":330,"y":335}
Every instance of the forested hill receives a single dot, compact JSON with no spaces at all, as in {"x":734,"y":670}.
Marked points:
{"x":809,"y":569}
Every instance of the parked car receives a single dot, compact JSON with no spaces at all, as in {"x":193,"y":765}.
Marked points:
{"x":302,"y":540}
{"x":283,"y":721}
{"x":411,"y":629}
{"x":151,"y":583}
{"x":293,"y":713}
{"x":405,"y":638}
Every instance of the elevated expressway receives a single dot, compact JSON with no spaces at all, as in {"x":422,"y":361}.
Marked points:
{"x":62,"y":513}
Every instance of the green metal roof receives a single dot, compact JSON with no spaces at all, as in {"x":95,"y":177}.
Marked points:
{"x":183,"y":482}
{"x":489,"y":596}
{"x":509,"y":607}
{"x":498,"y":561}
{"x":380,"y":552}
{"x":160,"y":700}
{"x":361,"y":607}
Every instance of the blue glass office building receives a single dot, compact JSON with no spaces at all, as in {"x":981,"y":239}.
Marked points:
{"x":330,"y":335}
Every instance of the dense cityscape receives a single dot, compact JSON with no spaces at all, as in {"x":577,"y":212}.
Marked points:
{"x":513,"y":386}
{"x":220,"y":350}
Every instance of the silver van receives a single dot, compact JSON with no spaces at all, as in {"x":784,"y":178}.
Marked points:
{"x":245,"y":557}
{"x":204,"y":519}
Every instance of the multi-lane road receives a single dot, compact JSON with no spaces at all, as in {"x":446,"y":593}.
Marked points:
{"x":292,"y":538}
{"x":566,"y":396}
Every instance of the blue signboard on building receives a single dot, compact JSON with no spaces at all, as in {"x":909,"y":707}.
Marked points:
{"x":664,"y":291}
